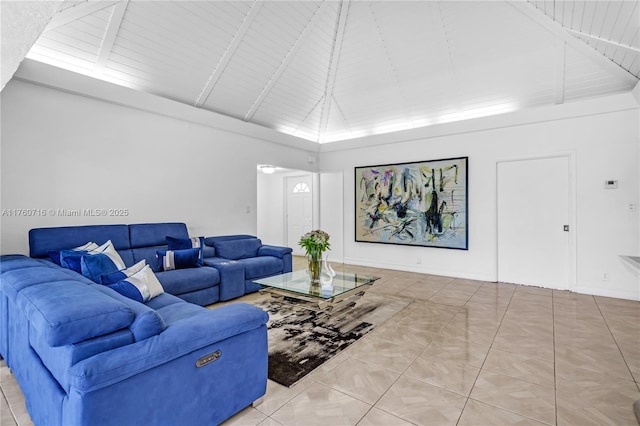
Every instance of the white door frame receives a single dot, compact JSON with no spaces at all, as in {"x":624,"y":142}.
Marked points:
{"x":573,"y":231}
{"x":285,"y":186}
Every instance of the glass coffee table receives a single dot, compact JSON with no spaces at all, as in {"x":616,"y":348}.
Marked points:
{"x":297,"y":285}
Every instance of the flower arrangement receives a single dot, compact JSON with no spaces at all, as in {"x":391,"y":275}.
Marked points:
{"x":315,"y":243}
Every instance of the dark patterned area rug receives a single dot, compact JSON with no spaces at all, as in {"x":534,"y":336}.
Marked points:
{"x":301,"y":339}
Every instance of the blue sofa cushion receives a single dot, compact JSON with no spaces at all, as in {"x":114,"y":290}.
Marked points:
{"x":168,"y":260}
{"x":107,"y":260}
{"x":110,"y":251}
{"x":238,"y":249}
{"x":149,"y":255}
{"x":94,"y":266}
{"x":261,"y":266}
{"x":155,"y":234}
{"x":76,"y":313}
{"x":54,"y":255}
{"x":181,"y":281}
{"x":114,"y":277}
{"x":44,"y":240}
{"x":72,"y":259}
{"x":141,"y":286}
{"x":187,"y":243}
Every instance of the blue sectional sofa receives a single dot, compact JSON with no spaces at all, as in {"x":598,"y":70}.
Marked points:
{"x":83,"y":354}
{"x":231,"y":261}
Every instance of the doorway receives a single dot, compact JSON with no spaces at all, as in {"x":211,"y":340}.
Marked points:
{"x":299,"y":209}
{"x":535,"y":222}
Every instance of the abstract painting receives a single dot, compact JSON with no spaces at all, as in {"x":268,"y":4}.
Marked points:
{"x":420,"y":203}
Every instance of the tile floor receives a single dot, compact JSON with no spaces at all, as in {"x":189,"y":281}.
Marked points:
{"x":462,"y":352}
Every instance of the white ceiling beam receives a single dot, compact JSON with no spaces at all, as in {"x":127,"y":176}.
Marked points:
{"x":333,"y":69}
{"x":77,"y":12}
{"x":631,"y":49}
{"x":228,"y":54}
{"x":285,"y":62}
{"x":560,"y":74}
{"x":110,"y":36}
{"x":559,"y":31}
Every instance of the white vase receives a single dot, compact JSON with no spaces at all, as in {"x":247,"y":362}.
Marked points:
{"x":327,"y":267}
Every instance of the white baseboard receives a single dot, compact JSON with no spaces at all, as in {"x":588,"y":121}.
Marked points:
{"x":421,"y":269}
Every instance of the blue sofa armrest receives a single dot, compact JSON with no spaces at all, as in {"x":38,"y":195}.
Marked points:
{"x":277,"y":251}
{"x":182,"y":338}
{"x":283,"y":253}
{"x":231,"y":277}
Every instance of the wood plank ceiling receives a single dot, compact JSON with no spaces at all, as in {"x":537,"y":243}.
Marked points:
{"x":335,"y":70}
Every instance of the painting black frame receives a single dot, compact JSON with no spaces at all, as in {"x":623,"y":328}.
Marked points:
{"x":391,"y":203}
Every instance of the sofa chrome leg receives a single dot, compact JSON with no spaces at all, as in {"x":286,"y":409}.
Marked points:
{"x":257,"y":402}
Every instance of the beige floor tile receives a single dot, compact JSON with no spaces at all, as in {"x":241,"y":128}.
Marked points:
{"x":321,"y":405}
{"x":525,"y":342}
{"x":463,"y":283}
{"x":270,"y":422}
{"x":278,"y":395}
{"x":421,"y":403}
{"x":610,"y":362}
{"x":597,"y":403}
{"x":478,"y":413}
{"x":571,"y":378}
{"x":470,"y":329}
{"x":451,"y":375}
{"x":388,"y":288}
{"x":384,"y":354}
{"x":361,"y":380}
{"x":436,"y":279}
{"x":413,"y":337}
{"x":419,"y":292}
{"x":429,"y":316}
{"x":447,"y":300}
{"x":331,"y":364}
{"x":537,"y":291}
{"x":5,"y":373}
{"x":3,"y":402}
{"x":6,"y":418}
{"x":521,"y":366}
{"x":519,"y":396}
{"x":457,"y":293}
{"x":247,"y":417}
{"x":457,"y":350}
{"x":619,"y":306}
{"x":14,"y":396}
{"x":377,"y":417}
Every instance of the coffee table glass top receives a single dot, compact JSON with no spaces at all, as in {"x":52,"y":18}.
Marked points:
{"x":328,"y":288}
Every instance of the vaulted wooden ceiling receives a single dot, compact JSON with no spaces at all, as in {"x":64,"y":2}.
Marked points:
{"x":336,"y":70}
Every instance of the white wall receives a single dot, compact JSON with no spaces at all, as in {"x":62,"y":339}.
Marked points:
{"x":63,"y":150}
{"x":603,"y":135}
